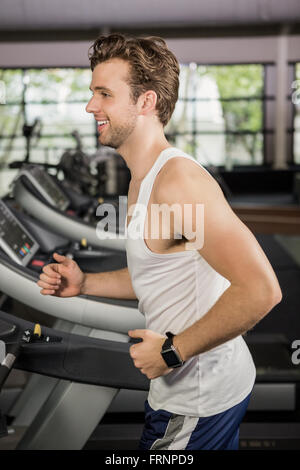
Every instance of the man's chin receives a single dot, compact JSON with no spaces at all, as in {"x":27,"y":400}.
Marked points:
{"x":107,"y":143}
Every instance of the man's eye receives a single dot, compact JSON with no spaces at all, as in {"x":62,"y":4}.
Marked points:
{"x":105,"y":94}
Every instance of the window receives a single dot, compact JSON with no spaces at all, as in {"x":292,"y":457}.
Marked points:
{"x":55,"y":96}
{"x":219,"y":117}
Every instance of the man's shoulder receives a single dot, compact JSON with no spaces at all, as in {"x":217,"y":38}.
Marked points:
{"x":179,"y":174}
{"x":178,"y":168}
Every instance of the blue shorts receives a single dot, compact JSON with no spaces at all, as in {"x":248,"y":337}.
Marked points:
{"x":169,"y":431}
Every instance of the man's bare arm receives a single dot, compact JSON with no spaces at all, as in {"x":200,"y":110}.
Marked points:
{"x":233,"y":251}
{"x":232,"y":315}
{"x":65,"y":279}
{"x":113,"y":284}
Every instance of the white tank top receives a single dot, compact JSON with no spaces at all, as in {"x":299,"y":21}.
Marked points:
{"x":174,"y":291}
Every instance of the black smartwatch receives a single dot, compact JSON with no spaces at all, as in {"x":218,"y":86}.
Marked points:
{"x":169,"y":353}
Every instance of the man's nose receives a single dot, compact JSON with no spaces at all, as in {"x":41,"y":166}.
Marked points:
{"x":91,"y":107}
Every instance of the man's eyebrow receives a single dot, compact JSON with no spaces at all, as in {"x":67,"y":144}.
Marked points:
{"x":99,"y":88}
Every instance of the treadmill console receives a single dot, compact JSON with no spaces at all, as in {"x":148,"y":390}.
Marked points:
{"x":15,"y":240}
{"x":46,"y":186}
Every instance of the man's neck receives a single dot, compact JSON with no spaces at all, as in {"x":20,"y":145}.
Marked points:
{"x":141,"y":153}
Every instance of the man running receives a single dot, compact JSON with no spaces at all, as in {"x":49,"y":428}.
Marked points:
{"x":202,"y":286}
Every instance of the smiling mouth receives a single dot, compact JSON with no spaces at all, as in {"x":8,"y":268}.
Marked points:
{"x":101,"y":125}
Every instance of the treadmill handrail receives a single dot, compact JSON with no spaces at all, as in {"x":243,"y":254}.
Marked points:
{"x":98,"y":313}
{"x":78,"y":358}
{"x":33,"y":276}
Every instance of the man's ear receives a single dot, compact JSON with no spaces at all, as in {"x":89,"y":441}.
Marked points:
{"x":148,"y":102}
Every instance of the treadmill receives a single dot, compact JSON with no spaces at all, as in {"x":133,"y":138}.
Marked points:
{"x":103,"y":366}
{"x":21,"y":260}
{"x":25,"y":249}
{"x":272,"y":420}
{"x":70,"y":214}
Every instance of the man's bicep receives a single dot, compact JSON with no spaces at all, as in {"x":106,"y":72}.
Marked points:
{"x":230,"y":247}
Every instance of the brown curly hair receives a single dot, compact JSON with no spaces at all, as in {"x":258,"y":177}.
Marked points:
{"x":152,"y":67}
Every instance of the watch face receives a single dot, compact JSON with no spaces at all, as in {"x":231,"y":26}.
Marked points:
{"x":170,"y":358}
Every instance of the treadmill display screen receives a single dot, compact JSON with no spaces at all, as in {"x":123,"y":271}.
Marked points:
{"x":55,"y":195}
{"x":15,"y":240}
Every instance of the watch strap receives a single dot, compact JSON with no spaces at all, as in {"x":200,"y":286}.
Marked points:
{"x":169,"y":341}
{"x":168,"y":345}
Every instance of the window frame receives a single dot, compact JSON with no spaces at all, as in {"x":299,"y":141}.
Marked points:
{"x":268,"y":144}
{"x":267,"y":161}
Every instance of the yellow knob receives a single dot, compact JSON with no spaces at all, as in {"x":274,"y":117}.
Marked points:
{"x":100,"y":200}
{"x":37,"y":330}
{"x":84,"y":242}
